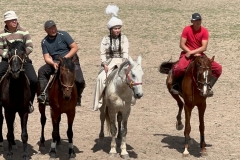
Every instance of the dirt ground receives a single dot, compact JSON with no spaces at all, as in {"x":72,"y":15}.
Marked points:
{"x":153,"y":28}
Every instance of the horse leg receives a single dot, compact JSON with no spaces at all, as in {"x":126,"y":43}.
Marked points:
{"x":24,"y":135}
{"x":124,"y":153}
{"x":201,"y":111}
{"x":10,"y":117}
{"x":113,"y":130}
{"x":102,"y":118}
{"x":1,"y":125}
{"x":119,"y":120}
{"x":179,"y":124}
{"x":55,"y":134}
{"x":188,"y":111}
{"x":58,"y":137}
{"x":71,"y":151}
{"x":43,"y":119}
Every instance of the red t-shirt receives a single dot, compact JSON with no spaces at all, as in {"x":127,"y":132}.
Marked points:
{"x":194,"y":38}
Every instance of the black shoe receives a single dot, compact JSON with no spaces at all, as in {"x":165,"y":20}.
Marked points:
{"x":175,"y":89}
{"x":41,"y":98}
{"x":78,"y":101}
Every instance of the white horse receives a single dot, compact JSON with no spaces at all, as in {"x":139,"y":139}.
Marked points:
{"x":123,"y":87}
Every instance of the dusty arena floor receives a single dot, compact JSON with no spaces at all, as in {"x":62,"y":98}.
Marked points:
{"x":153,"y":28}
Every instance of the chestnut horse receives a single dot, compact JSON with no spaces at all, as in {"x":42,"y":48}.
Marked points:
{"x":193,"y":89}
{"x":15,"y":96}
{"x":62,"y":99}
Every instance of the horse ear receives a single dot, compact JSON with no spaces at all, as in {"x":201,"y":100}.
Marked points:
{"x":212,"y":59}
{"x":61,"y":59}
{"x":8,"y":43}
{"x":74,"y":58}
{"x":130,"y":60}
{"x":139,"y":60}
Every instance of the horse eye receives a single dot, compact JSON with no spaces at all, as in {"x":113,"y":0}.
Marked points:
{"x":133,"y":76}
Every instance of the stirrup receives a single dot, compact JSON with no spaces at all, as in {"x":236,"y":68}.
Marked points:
{"x":31,"y":108}
{"x":43,"y":94}
{"x":173,"y":91}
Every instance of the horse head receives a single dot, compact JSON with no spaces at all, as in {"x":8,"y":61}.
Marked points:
{"x":67,"y":76}
{"x":134,"y":76}
{"x":16,"y":57}
{"x":203,"y":73}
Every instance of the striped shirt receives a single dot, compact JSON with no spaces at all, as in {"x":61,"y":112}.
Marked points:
{"x":19,"y":35}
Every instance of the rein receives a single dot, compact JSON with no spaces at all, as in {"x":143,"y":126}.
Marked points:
{"x":64,"y":85}
{"x":131,"y":83}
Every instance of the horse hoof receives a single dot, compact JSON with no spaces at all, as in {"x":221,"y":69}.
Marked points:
{"x":112,"y":155}
{"x":126,"y":156}
{"x":9,"y":157}
{"x":204,"y":153}
{"x":179,"y":126}
{"x":101,"y":135}
{"x":14,"y":147}
{"x":25,"y":158}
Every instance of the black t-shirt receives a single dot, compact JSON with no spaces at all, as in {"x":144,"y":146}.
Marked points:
{"x":59,"y":46}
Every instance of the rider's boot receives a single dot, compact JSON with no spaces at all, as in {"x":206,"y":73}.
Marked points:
{"x":213,"y":80}
{"x":43,"y":96}
{"x":80,"y":88}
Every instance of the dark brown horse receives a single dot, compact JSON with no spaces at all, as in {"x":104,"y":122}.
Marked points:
{"x":62,"y":99}
{"x":193,"y":89}
{"x":15,"y":95}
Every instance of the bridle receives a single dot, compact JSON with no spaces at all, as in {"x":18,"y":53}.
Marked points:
{"x":128,"y":77}
{"x":13,"y":58}
{"x":64,"y":85}
{"x":205,"y":76}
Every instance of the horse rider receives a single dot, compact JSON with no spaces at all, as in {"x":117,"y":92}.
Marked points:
{"x":11,"y":32}
{"x":193,"y":42}
{"x":58,"y":44}
{"x":113,"y":51}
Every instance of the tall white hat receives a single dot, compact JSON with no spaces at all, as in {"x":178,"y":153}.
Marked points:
{"x":114,"y":21}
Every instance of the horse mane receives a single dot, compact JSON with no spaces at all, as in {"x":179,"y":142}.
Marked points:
{"x":19,"y":45}
{"x":122,"y":65}
{"x":67,"y":62}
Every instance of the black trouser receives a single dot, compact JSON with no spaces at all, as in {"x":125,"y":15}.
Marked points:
{"x":29,"y":71}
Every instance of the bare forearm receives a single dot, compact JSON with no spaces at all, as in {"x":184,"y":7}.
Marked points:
{"x":198,"y":50}
{"x":184,"y":48}
{"x":71,"y":53}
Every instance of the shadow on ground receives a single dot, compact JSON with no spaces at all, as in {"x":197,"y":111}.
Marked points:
{"x":17,"y":153}
{"x":177,"y":143}
{"x":105,"y":143}
{"x":62,"y":149}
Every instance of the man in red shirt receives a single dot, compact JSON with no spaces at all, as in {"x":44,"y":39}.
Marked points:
{"x":193,"y":42}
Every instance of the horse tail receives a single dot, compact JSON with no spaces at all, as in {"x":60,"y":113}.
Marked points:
{"x":107,"y":119}
{"x":165,"y":67}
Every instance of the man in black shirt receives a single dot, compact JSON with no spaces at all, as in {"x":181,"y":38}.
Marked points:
{"x":58,"y":43}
